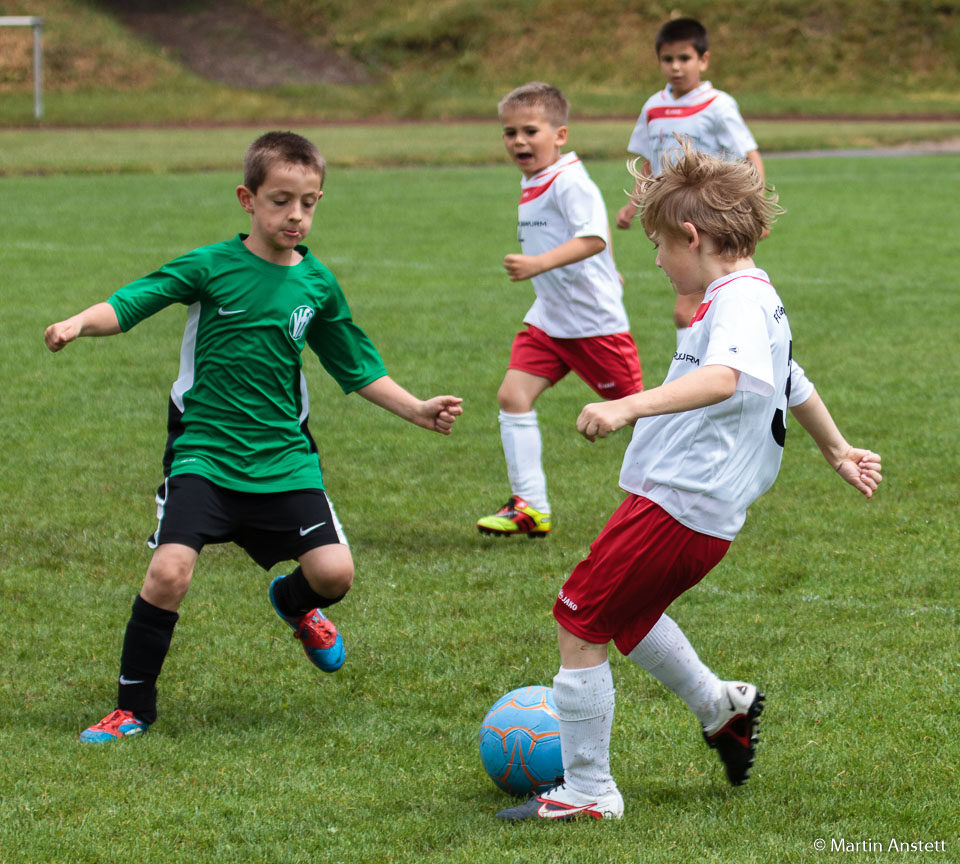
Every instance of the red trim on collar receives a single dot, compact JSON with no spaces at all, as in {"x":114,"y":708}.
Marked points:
{"x":532,"y":192}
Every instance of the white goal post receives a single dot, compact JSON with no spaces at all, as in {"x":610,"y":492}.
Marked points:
{"x":37,"y":25}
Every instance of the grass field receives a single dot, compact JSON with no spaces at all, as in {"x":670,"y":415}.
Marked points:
{"x":844,"y":611}
{"x":163,"y":150}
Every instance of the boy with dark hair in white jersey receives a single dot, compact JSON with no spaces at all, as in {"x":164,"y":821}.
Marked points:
{"x":706,"y":444}
{"x":239,"y":465}
{"x":692,"y":108}
{"x":577,"y":321}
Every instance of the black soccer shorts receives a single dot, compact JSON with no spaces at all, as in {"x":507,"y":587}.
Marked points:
{"x":269,"y":526}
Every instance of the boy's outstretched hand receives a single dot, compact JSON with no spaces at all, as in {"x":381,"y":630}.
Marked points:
{"x":97,"y":320}
{"x":600,"y":419}
{"x":58,"y":336}
{"x":520,"y":267}
{"x":439,"y":413}
{"x":861,"y":469}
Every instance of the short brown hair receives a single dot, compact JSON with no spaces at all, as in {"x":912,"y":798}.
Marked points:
{"x":537,"y":94}
{"x":274,"y":147}
{"x":727,"y":201}
{"x":683,"y":30}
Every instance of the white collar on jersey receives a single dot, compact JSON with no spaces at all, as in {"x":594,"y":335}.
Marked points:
{"x":696,"y":93}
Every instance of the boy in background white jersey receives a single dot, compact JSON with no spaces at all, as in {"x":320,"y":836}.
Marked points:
{"x":687,"y":106}
{"x":240,"y":465}
{"x":577,"y":320}
{"x":706,"y":444}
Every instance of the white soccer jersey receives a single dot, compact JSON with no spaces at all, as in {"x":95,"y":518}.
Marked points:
{"x":584,"y":298}
{"x":708,"y":117}
{"x":705,"y":467}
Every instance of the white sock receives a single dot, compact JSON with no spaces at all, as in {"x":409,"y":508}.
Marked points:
{"x":523,"y":450}
{"x":668,"y":655}
{"x":585,"y":700}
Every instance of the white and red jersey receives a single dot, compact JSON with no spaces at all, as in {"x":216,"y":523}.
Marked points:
{"x":709,"y":118}
{"x":707,"y":466}
{"x":585,"y":298}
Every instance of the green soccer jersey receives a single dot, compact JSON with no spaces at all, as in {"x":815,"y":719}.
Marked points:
{"x":238,"y":390}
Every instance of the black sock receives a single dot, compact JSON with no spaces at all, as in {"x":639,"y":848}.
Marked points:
{"x":294,"y":596}
{"x":145,"y":645}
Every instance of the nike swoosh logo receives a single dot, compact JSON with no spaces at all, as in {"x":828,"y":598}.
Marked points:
{"x":222,"y":311}
{"x":129,"y":681}
{"x":553,"y":810}
{"x":305,"y":531}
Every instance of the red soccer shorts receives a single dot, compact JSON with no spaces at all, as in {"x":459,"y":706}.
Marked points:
{"x":640,"y":563}
{"x":608,"y":364}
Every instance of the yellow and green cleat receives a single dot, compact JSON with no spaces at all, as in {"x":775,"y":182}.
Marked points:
{"x":516,"y":517}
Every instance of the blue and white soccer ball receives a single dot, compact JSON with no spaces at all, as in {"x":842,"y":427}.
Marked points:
{"x":520,"y":741}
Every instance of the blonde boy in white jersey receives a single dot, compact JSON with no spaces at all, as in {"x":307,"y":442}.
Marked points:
{"x":705,"y":445}
{"x":577,"y":321}
{"x":691,"y":108}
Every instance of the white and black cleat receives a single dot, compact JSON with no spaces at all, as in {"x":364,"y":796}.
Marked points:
{"x":734,"y":734}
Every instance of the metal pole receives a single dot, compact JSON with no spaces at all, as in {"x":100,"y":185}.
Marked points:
{"x":37,"y":68}
{"x":37,"y":25}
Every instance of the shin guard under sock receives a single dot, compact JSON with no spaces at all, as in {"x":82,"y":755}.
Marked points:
{"x":666,"y":653}
{"x":145,"y":646}
{"x":523,"y":450}
{"x":585,"y":702}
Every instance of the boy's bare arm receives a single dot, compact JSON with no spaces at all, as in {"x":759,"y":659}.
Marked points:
{"x":526,"y":266}
{"x":697,"y":389}
{"x":626,"y":213}
{"x":754,"y":157}
{"x":619,"y":274}
{"x":860,"y":468}
{"x":438,"y":413}
{"x":97,"y":320}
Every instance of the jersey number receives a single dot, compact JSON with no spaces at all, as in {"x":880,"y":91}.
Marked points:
{"x":779,"y":425}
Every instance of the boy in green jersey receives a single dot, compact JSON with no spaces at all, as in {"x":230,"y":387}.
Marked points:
{"x":239,"y":464}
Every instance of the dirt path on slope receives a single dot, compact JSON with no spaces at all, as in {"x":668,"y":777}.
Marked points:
{"x":228,"y":42}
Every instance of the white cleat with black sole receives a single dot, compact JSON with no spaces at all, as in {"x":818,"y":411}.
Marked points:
{"x":734,"y":733}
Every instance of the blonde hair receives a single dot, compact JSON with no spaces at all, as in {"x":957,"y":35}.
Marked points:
{"x":537,"y":94}
{"x":725,"y":200}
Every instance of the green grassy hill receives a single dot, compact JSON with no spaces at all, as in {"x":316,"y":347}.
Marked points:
{"x":113,"y":62}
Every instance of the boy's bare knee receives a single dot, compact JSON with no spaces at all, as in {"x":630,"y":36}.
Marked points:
{"x":336,"y":582}
{"x":506,"y":398}
{"x":509,"y":403}
{"x":168,"y":579}
{"x":343,"y":584}
{"x":577,"y":653}
{"x":517,"y":394}
{"x":328,"y":570}
{"x":168,"y":576}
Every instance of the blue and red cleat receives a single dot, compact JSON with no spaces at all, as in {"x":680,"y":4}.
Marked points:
{"x":318,"y":635}
{"x":116,"y":725}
